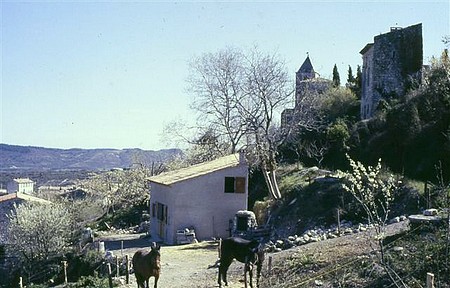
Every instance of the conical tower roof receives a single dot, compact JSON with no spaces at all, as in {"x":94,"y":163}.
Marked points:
{"x":306,"y":67}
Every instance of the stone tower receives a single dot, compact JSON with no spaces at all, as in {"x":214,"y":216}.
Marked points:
{"x":306,"y":84}
{"x":391,"y":65}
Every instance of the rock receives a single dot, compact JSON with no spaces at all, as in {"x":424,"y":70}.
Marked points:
{"x":332,"y":235}
{"x":430,"y":212}
{"x":348,"y":231}
{"x":397,"y":249}
{"x":395,"y":220}
{"x":300,"y":241}
{"x":279,"y":243}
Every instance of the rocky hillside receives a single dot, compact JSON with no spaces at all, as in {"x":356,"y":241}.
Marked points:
{"x":14,"y":157}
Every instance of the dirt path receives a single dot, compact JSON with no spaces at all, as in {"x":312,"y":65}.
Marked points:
{"x":187,"y":265}
{"x":181,"y":266}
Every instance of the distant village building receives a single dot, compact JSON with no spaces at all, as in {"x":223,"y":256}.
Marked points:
{"x":22,"y":185}
{"x":306,"y":84}
{"x":203,"y":198}
{"x":391,"y":65}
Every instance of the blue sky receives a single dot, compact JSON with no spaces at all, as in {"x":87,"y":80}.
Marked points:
{"x":111,"y":74}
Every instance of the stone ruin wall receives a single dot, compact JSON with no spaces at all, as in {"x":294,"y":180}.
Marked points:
{"x":397,"y":62}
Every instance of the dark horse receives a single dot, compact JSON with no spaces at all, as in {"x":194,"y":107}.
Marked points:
{"x":147,"y":264}
{"x":245,"y":251}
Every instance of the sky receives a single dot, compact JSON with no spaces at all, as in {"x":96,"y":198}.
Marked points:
{"x":112,"y":74}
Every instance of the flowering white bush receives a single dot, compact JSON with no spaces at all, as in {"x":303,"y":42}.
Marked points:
{"x":39,"y":231}
{"x":371,"y":188}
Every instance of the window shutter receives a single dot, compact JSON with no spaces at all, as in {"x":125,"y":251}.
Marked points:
{"x":165,"y":214}
{"x":240,"y":185}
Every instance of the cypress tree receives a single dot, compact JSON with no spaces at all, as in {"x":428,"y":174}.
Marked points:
{"x":351,"y":78}
{"x":336,"y":78}
{"x":358,"y":82}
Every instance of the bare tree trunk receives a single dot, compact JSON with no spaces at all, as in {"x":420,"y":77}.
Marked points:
{"x":272,"y":185}
{"x":269,"y":184}
{"x":276,"y":190}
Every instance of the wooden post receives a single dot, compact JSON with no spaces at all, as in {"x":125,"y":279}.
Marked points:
{"x":269,"y":266}
{"x":127,"y":269}
{"x":20,"y":282}
{"x":65,"y":271}
{"x":339,"y":220}
{"x":108,"y":265}
{"x":117,"y":267}
{"x":430,"y":280}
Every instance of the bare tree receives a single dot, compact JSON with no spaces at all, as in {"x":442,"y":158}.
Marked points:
{"x":119,"y":188}
{"x":216,"y":83}
{"x":267,"y":90}
{"x":238,"y":97}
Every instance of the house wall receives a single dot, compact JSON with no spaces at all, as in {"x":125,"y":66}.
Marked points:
{"x":201,"y":203}
{"x":160,"y":194}
{"x":22,"y":187}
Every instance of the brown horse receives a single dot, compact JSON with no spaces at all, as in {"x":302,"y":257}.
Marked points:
{"x":147,"y":264}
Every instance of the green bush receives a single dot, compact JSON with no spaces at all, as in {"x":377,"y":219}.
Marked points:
{"x":91,"y":282}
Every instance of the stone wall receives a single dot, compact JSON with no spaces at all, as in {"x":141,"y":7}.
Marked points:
{"x":395,"y":64}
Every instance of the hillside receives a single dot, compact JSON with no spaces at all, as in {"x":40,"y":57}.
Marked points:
{"x":14,"y":157}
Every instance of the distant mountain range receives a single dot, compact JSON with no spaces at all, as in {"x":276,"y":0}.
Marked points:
{"x":13,"y":157}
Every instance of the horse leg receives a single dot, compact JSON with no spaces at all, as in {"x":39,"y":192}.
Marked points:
{"x":156,"y":281}
{"x":223,"y":268}
{"x":139,"y":281}
{"x":258,"y":273}
{"x":245,"y":275}
{"x":250,"y":271}
{"x":146,"y":283}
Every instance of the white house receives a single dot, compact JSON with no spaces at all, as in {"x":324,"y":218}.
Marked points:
{"x":21,"y":185}
{"x":204,"y":196}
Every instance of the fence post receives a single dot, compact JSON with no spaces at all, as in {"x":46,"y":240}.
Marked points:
{"x":108,"y":265}
{"x":269,"y":266}
{"x":65,"y":271}
{"x":127,"y":269}
{"x":339,"y":220}
{"x":430,"y":280}
{"x":117,"y":267}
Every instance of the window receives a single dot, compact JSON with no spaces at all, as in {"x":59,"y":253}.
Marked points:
{"x":234,"y":185}
{"x":159,"y":211}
